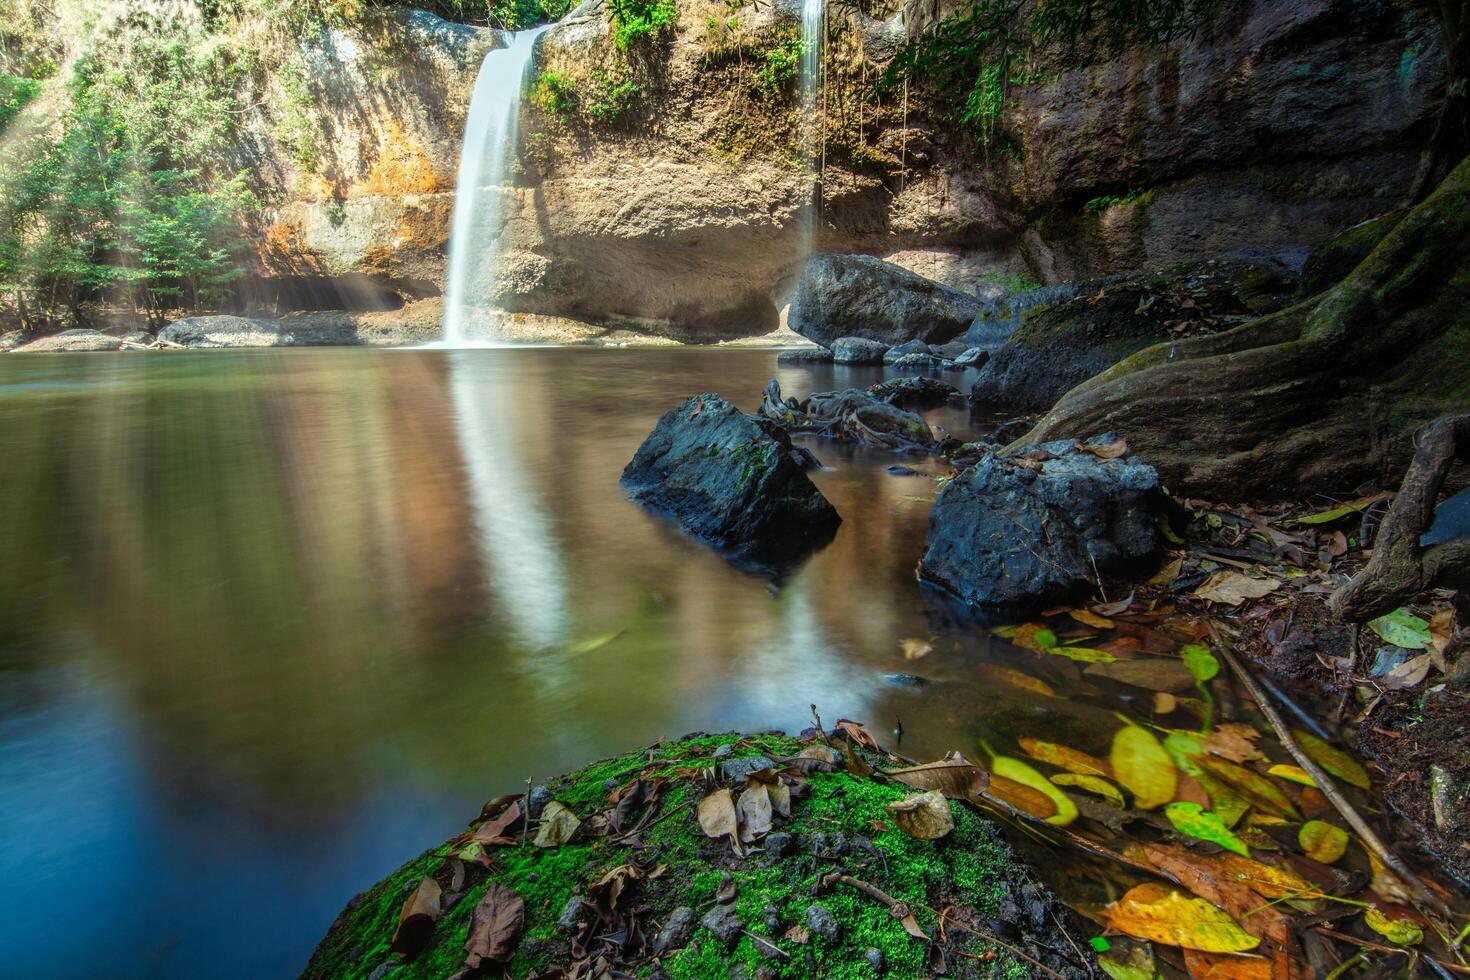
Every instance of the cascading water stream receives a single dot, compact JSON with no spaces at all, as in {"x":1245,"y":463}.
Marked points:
{"x":489,"y":141}
{"x":812,"y":31}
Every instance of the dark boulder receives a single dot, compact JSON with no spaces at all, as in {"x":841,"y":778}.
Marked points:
{"x":805,"y":355}
{"x":999,"y":316}
{"x":860,"y":296}
{"x":1036,"y":527}
{"x":1058,"y":347}
{"x":858,"y":350}
{"x":914,"y":394}
{"x":732,"y":479}
{"x":851,"y":415}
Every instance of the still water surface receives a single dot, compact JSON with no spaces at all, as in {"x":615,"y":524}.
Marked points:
{"x":272,"y":622}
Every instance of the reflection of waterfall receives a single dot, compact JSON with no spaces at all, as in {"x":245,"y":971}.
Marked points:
{"x":523,"y":565}
{"x":812,"y":35}
{"x":489,"y":140}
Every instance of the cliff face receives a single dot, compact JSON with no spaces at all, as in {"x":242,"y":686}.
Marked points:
{"x":688,"y":213}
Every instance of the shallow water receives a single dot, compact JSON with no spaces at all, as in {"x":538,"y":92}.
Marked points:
{"x":272,"y":622}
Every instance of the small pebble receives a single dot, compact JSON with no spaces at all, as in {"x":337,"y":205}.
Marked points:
{"x":821,"y":922}
{"x":676,"y":931}
{"x":780,"y":844}
{"x":772,"y":919}
{"x":723,"y":751}
{"x":724,"y":924}
{"x":875,"y":958}
{"x":571,"y":915}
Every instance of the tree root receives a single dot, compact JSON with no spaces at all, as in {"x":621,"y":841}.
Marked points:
{"x":1400,"y":568}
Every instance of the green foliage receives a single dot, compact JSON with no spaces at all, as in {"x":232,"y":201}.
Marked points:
{"x":781,"y":64}
{"x":555,"y":93}
{"x":122,"y":197}
{"x":613,"y":95}
{"x":1106,"y":201}
{"x":638,"y":21}
{"x":969,"y":63}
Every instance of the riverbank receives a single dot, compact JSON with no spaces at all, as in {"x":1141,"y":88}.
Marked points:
{"x":761,"y":855}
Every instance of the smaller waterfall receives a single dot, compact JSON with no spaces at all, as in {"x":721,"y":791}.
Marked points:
{"x":489,"y":141}
{"x":812,"y":35}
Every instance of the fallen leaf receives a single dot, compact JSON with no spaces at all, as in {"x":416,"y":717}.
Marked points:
{"x":1063,"y":757}
{"x":1019,"y":772}
{"x":498,"y":829}
{"x":1142,"y":765}
{"x":799,"y":935}
{"x":558,"y":825}
{"x":1403,"y":629}
{"x":1233,"y":741}
{"x":1164,"y":703}
{"x":1193,"y":821}
{"x":1116,"y":449}
{"x":1293,"y":774}
{"x":1022,"y":797}
{"x":1161,"y":914}
{"x":1323,"y":841}
{"x":1092,"y":784}
{"x":754,"y":811}
{"x":1152,"y":675}
{"x":1089,"y":618}
{"x":1085,"y":655}
{"x":1016,"y":679}
{"x":1112,"y":608}
{"x":1400,"y":929}
{"x":925,"y":816}
{"x":1337,"y":762}
{"x":1409,"y":674}
{"x":1200,"y":661}
{"x":780,"y":795}
{"x":495,"y":926}
{"x":1226,"y":966}
{"x":416,"y":919}
{"x":718,"y":818}
{"x":1267,"y":879}
{"x":590,"y":644}
{"x":1029,"y":636}
{"x":1209,"y":878}
{"x":1232,"y":588}
{"x":914,"y":649}
{"x":606,"y":893}
{"x":1128,"y":961}
{"x":1385,"y":882}
{"x":855,"y":732}
{"x":1167,"y":574}
{"x":1259,"y":790}
{"x":1338,"y":513}
{"x":955,"y":776}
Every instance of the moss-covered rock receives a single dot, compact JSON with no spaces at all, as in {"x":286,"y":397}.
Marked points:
{"x":1059,"y":346}
{"x":838,"y":824}
{"x":1330,"y":262}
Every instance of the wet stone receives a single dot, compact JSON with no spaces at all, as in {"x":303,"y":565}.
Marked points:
{"x":821,"y":922}
{"x":737,"y":769}
{"x":771,"y":919}
{"x":723,"y":752}
{"x":780,"y":844}
{"x":905,"y":680}
{"x":875,"y":958}
{"x":676,"y":931}
{"x":540,"y":796}
{"x":724,"y":924}
{"x":384,"y":971}
{"x":571,"y":915}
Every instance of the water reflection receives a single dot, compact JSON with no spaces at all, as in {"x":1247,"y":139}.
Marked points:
{"x":271,"y":621}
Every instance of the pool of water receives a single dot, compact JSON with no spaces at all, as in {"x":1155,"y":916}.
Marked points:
{"x":272,"y":622}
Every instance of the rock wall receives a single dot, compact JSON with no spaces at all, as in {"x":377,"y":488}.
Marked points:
{"x":1276,"y":125}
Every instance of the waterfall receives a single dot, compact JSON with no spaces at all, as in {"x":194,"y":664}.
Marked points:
{"x":485,"y":157}
{"x":812,"y":15}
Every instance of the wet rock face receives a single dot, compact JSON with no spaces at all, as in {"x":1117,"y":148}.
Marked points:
{"x":858,"y":350}
{"x":71,"y":340}
{"x":733,"y":480}
{"x":239,"y":331}
{"x":860,"y":296}
{"x":1103,"y":321}
{"x":1016,"y":533}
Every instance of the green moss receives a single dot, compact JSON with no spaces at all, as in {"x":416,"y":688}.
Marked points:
{"x":969,"y":866}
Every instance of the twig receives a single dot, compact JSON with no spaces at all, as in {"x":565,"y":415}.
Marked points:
{"x":821,"y":732}
{"x":1352,"y":667}
{"x":526,"y":811}
{"x":1311,"y":723}
{"x":1384,"y":948}
{"x":639,"y":829}
{"x":763,"y":941}
{"x":1325,"y":784}
{"x":999,"y":942}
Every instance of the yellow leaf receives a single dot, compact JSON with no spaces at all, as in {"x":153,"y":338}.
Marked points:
{"x":1092,"y":784}
{"x":1063,"y":757}
{"x":1141,"y":764}
{"x":1295,"y":774}
{"x":1161,"y":914}
{"x":1337,"y":762}
{"x":1322,"y":841}
{"x":1252,"y":785}
{"x":1016,"y":679}
{"x":1089,"y":618}
{"x":1266,"y":879}
{"x":1404,"y":931}
{"x":1020,"y":772}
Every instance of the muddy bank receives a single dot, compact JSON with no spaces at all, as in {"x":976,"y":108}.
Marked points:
{"x":755,"y":856}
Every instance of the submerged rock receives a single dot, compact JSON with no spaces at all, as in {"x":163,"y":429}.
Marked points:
{"x":908,"y":347}
{"x":851,"y":415}
{"x":858,"y":350}
{"x":1061,"y":345}
{"x":860,"y":296}
{"x":1036,"y":527}
{"x":914,"y":393}
{"x":71,"y":340}
{"x":732,"y":479}
{"x":922,"y":362}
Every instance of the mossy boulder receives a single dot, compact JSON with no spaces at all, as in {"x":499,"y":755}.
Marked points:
{"x":1059,"y":346}
{"x":1330,"y":262}
{"x":838,"y":826}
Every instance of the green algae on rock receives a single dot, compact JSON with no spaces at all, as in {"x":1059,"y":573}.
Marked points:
{"x":643,"y":891}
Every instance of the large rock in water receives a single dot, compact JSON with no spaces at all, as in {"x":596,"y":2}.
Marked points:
{"x":239,"y":331}
{"x":1058,"y":347}
{"x":860,"y":296}
{"x":71,"y":340}
{"x":1037,"y":527}
{"x":732,"y":479}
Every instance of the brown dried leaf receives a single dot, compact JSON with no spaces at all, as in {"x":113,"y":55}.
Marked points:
{"x":1152,"y":675}
{"x":925,"y":816}
{"x":1227,"y":966}
{"x":558,"y":825}
{"x":498,"y":829}
{"x":1063,"y":757}
{"x":754,"y":808}
{"x":954,"y":776}
{"x":1116,"y":449}
{"x":1234,"y":742}
{"x":855,"y":731}
{"x":1158,"y":913}
{"x":1232,"y":588}
{"x":718,"y":818}
{"x":1022,"y":797}
{"x":495,"y":927}
{"x":416,"y":919}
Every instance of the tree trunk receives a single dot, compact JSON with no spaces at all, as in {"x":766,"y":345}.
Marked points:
{"x":1450,"y":142}
{"x":1318,"y":396}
